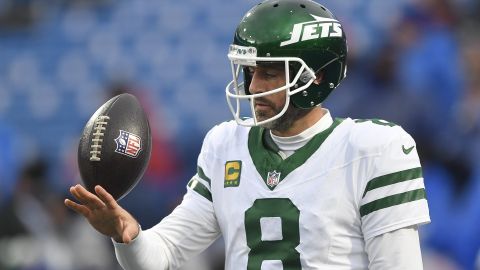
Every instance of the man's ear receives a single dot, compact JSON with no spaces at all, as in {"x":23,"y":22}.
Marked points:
{"x":319,"y":77}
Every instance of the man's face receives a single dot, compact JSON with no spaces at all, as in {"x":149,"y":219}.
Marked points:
{"x":266,"y":77}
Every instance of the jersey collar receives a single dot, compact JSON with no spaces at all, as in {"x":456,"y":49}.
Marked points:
{"x":265,"y":157}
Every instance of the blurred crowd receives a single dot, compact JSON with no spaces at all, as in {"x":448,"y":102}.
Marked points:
{"x":412,"y":62}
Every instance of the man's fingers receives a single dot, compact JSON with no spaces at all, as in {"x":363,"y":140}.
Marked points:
{"x":126,"y":238}
{"x":106,"y":197}
{"x":75,"y":194}
{"x":81,"y":209}
{"x":86,"y":198}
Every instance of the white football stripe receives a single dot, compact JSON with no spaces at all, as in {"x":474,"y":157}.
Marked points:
{"x":200,"y":180}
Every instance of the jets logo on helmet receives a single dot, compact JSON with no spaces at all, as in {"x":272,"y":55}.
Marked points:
{"x":319,"y":28}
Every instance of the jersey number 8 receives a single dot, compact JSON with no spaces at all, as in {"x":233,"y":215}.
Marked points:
{"x":282,"y":250}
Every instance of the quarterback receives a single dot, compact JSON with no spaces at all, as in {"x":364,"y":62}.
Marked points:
{"x":287,"y":185}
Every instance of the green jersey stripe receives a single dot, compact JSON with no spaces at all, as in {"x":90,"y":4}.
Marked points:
{"x":200,"y":189}
{"x":202,"y":175}
{"x":393,"y":178}
{"x":392,"y":200}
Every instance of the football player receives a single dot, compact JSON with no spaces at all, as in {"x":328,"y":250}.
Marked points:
{"x":289,"y":187}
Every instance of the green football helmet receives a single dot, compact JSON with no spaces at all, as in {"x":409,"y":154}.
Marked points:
{"x":303,"y":35}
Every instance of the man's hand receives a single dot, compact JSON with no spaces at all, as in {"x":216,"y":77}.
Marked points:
{"x":104,"y":214}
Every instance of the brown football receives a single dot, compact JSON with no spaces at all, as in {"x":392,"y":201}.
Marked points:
{"x":115,"y":146}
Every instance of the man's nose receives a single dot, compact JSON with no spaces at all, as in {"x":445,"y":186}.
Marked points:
{"x":256,"y":85}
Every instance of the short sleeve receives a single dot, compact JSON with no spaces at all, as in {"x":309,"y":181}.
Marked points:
{"x":394,"y":193}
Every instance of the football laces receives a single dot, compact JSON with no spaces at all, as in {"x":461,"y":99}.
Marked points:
{"x":99,"y":127}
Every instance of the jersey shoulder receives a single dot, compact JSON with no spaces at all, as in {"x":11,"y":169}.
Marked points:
{"x":224,"y":136}
{"x":372,"y":135}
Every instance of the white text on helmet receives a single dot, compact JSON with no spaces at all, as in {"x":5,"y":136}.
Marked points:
{"x":319,"y":28}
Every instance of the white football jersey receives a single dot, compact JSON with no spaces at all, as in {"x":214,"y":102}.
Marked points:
{"x":313,"y":210}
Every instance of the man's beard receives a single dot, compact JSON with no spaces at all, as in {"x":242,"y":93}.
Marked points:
{"x":285,"y":121}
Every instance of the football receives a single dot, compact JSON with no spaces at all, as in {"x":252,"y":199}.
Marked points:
{"x":115,"y":146}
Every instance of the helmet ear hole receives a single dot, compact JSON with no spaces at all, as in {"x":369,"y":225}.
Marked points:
{"x":333,"y":74}
{"x":319,"y":77}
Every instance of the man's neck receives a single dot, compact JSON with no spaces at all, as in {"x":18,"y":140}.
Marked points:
{"x":302,"y":124}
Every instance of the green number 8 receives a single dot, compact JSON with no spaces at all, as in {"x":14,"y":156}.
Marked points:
{"x":284,"y":249}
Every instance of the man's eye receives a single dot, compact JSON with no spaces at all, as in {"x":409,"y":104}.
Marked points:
{"x":271,"y":74}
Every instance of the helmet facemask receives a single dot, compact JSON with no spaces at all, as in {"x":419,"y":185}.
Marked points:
{"x":240,"y":99}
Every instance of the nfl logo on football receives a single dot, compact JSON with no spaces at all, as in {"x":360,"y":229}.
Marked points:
{"x":273,"y":178}
{"x":128,"y":144}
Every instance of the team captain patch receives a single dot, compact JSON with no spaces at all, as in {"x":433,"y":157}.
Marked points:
{"x":128,"y":144}
{"x":233,"y":170}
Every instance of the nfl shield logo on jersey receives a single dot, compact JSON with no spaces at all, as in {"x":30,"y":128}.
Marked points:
{"x":128,"y":144}
{"x":273,"y":178}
